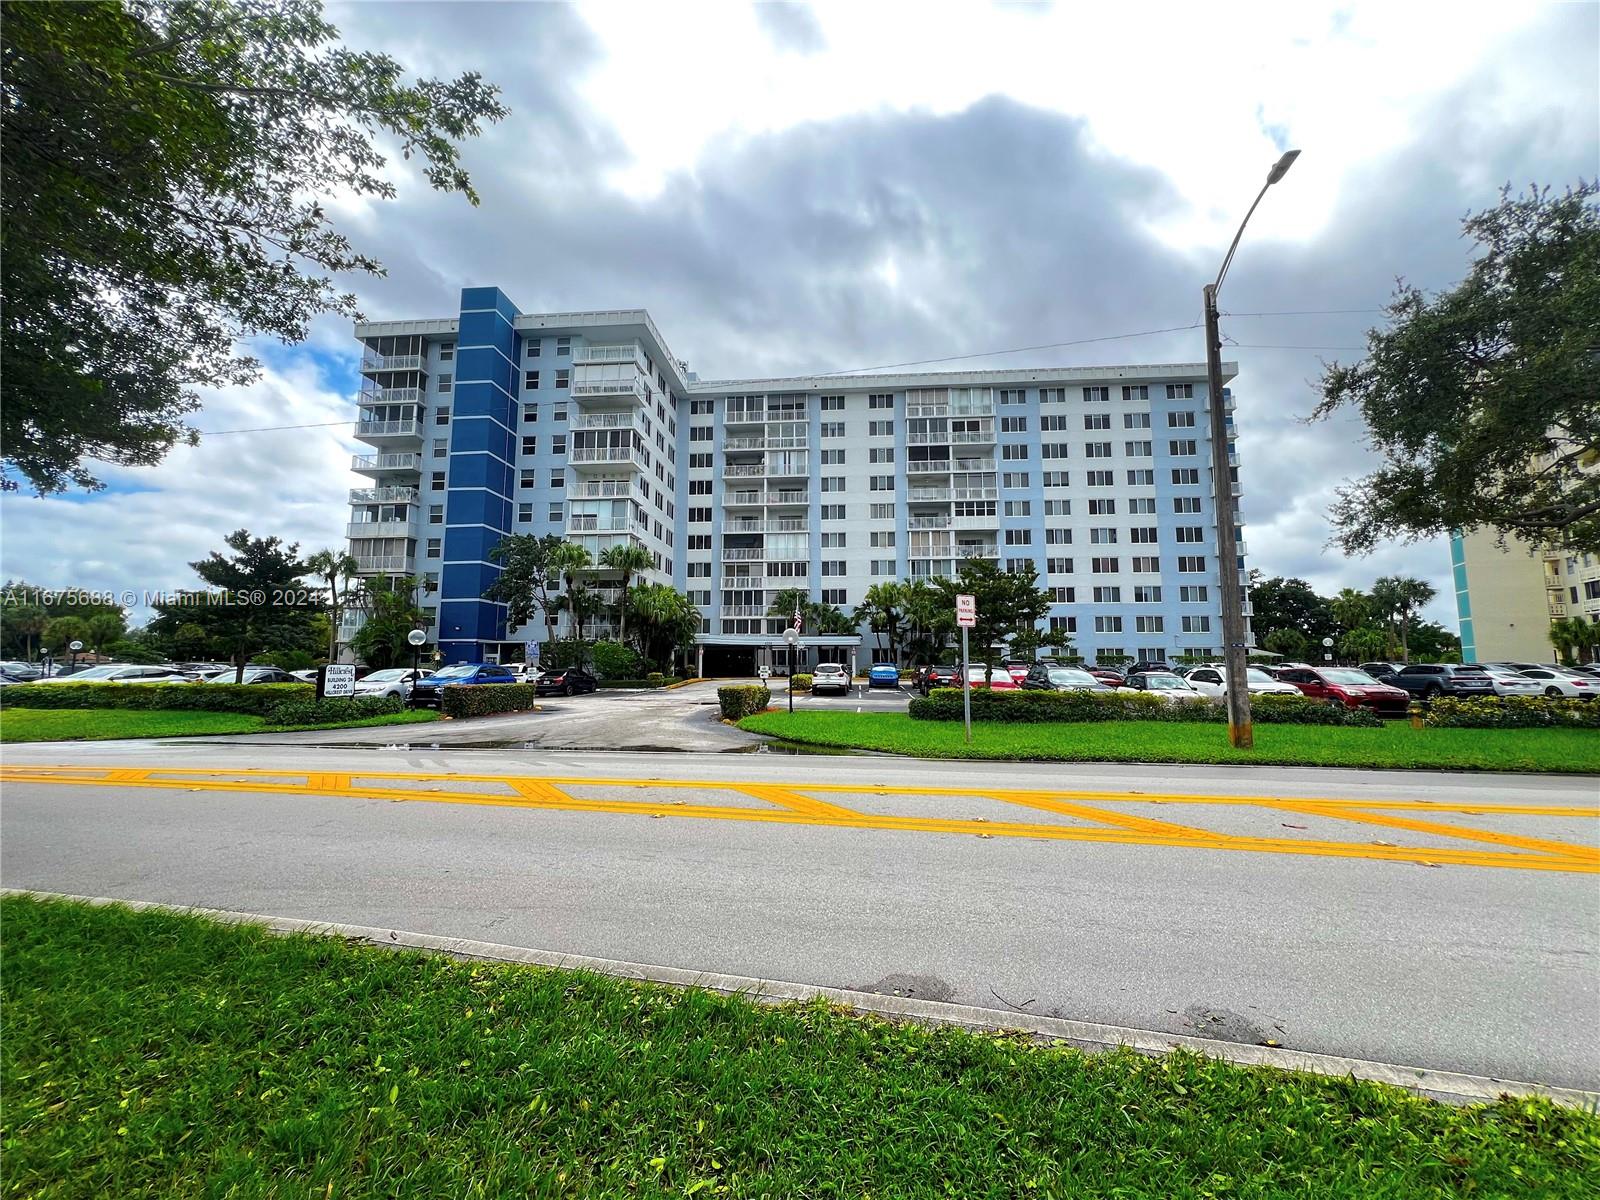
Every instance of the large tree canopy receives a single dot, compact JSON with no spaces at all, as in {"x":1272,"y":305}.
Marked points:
{"x":165,"y":169}
{"x":1484,"y":401}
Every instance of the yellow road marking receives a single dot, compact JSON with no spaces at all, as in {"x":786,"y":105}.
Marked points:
{"x":796,"y":806}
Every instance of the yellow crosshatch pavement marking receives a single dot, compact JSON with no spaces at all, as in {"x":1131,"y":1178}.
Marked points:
{"x":1119,"y":818}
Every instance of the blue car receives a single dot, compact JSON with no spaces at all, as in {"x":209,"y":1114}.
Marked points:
{"x":426,"y":691}
{"x":883,"y":675}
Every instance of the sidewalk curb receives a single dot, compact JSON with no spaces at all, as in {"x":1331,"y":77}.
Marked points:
{"x":1448,"y":1086}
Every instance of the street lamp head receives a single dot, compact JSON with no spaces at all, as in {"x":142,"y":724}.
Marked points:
{"x":1281,"y":167}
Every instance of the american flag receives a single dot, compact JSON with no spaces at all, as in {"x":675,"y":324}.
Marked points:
{"x":797,"y":614}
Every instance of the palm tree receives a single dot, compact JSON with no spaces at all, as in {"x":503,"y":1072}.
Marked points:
{"x":880,"y":608}
{"x":667,"y":621}
{"x":817,"y":617}
{"x":1397,"y":598}
{"x":1567,"y":636}
{"x":1351,"y":608}
{"x":27,"y":622}
{"x":627,"y":558}
{"x":104,"y":628}
{"x":568,"y":559}
{"x":338,"y":568}
{"x":1590,"y":640}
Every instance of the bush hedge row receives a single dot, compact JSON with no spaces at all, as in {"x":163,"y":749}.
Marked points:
{"x":481,"y":699}
{"x":800,"y":681}
{"x":1512,"y":712}
{"x":944,"y":704}
{"x":335,"y":709}
{"x":742,"y":700}
{"x":255,"y":698}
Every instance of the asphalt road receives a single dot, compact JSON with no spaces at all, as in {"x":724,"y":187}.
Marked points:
{"x":1481,"y":965}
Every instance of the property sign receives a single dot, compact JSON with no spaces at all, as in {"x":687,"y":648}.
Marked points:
{"x":966,"y":611}
{"x":336,"y":679}
{"x":765,"y":672}
{"x":530,"y":654}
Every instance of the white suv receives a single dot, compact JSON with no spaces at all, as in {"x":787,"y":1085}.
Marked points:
{"x":830,"y":677}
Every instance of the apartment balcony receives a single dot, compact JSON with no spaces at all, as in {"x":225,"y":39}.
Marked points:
{"x":378,"y":364}
{"x":598,"y":543}
{"x":753,"y":415}
{"x":788,"y":498}
{"x":743,"y":499}
{"x":927,"y":495}
{"x":606,"y":456}
{"x":987,"y":521}
{"x":778,"y":469}
{"x":959,"y":409}
{"x":1558,"y":608}
{"x":976,"y":550}
{"x":387,"y":431}
{"x":634,"y":390}
{"x":961,"y":437}
{"x":610,"y":420}
{"x":611,"y":354}
{"x":379,"y":464}
{"x":975,"y":493}
{"x":941,"y":522}
{"x":744,"y":610}
{"x":744,"y":471}
{"x":383,"y":495}
{"x":590,"y":524}
{"x":384,"y":564}
{"x":936,"y":466}
{"x":744,"y":443}
{"x":376,"y":529}
{"x":779,"y":525}
{"x":391,"y":395}
{"x":605,"y":489}
{"x":743,"y":554}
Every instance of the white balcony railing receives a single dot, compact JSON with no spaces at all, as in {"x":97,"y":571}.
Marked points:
{"x":373,"y":529}
{"x":744,"y":415}
{"x":927,"y":494}
{"x":743,"y":499}
{"x":928,"y":523}
{"x":383,"y":562}
{"x":777,"y":467}
{"x":934,"y":466}
{"x":369,"y":429}
{"x":383,"y":495}
{"x":605,"y":454}
{"x":975,"y":493}
{"x":744,"y":443}
{"x":608,"y":354}
{"x":744,"y":526}
{"x":375,"y":463}
{"x":744,"y":610}
{"x":606,"y":489}
{"x":788,"y":498}
{"x":391,"y":362}
{"x":743,"y":553}
{"x":602,"y":421}
{"x":383,"y":395}
{"x":744,"y":471}
{"x":611,"y":388}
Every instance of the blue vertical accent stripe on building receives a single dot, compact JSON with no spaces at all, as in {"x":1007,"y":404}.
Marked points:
{"x":1458,"y":572}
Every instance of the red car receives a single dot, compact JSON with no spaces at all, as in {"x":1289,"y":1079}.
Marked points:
{"x":1109,"y":676}
{"x":1349,"y":687}
{"x":1000,"y":679}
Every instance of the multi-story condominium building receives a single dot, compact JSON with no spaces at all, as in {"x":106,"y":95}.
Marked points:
{"x":1508,"y":596}
{"x":496,"y":422}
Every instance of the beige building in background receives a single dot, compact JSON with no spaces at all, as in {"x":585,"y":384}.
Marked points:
{"x":1506,"y":598}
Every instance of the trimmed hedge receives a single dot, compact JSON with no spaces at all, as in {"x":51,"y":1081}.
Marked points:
{"x":800,"y":682}
{"x":742,"y":700}
{"x":481,"y":699}
{"x":333,"y":709}
{"x":1512,"y":712}
{"x":255,"y":698}
{"x":1020,"y":707}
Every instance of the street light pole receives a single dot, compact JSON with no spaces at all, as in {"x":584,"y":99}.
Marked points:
{"x":1234,"y":654}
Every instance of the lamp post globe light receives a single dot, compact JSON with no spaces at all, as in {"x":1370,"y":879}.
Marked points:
{"x":1234,"y":652}
{"x":74,"y":647}
{"x":416,"y":637}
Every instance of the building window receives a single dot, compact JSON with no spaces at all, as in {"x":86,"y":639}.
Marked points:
{"x":437,"y":481}
{"x":530,"y":413}
{"x":441,"y":417}
{"x":699,"y":541}
{"x":560,"y":413}
{"x":563,"y":345}
{"x":1053,"y":423}
{"x":433,"y":545}
{"x":1058,"y":566}
{"x":1014,"y":479}
{"x":435,"y":514}
{"x":835,"y":458}
{"x":1180,"y":420}
{"x":1186,"y":504}
{"x":1097,"y":449}
{"x":876,"y":400}
{"x":1181,"y":448}
{"x":1142,"y":534}
{"x":882,"y":512}
{"x":530,"y":444}
{"x":1097,"y":395}
{"x":1052,"y":395}
{"x":1136,"y":449}
{"x":558,"y":443}
{"x":697,"y":570}
{"x":1102,"y":508}
{"x":1180,"y":391}
{"x":1097,"y":420}
{"x":1063,"y":624}
{"x":1193,"y":594}
{"x":1100,"y":479}
{"x":699,"y":487}
{"x":700,"y":433}
{"x":1142,"y":504}
{"x":1063,"y":595}
{"x":883,"y":566}
{"x":1138,"y":391}
{"x":834,"y":595}
{"x":699,"y":462}
{"x":1058,"y":537}
{"x":1019,"y":537}
{"x":833,"y":429}
{"x":880,"y":428}
{"x":447,"y":351}
{"x":446,"y":383}
{"x":1014,"y":452}
{"x":1103,"y":566}
{"x":1108,"y":624}
{"x":831,"y":404}
{"x":563,"y":378}
{"x":1191,"y":533}
{"x":878,"y":454}
{"x":700,"y":408}
{"x":1057,"y":479}
{"x":832,"y":567}
{"x":1186,"y":475}
{"x":882,"y":483}
{"x":1019,"y":508}
{"x":530,"y":381}
{"x":1058,"y":508}
{"x":524,"y":512}
{"x":1200,"y":624}
{"x":558,"y":479}
{"x":531,"y":345}
{"x":440,"y":450}
{"x":882,"y":539}
{"x":1013,"y":424}
{"x":1103,"y":536}
{"x":1145,"y":565}
{"x":1108,"y":595}
{"x":1147,"y":593}
{"x":1194,"y":564}
{"x":833,"y":483}
{"x":1136,"y":420}
{"x":833,"y":541}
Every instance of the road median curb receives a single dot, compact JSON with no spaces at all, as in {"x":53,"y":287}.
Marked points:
{"x":1448,"y":1086}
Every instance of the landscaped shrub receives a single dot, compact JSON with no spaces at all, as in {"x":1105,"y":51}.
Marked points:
{"x":657,"y":679}
{"x":333,"y":709}
{"x":800,"y":681}
{"x":613,"y":660}
{"x":481,"y":699}
{"x":742,"y":700}
{"x":1009,"y":707}
{"x":1510,"y":712}
{"x":256,"y":698}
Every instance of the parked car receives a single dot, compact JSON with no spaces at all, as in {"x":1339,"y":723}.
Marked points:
{"x":21,"y":672}
{"x":881,"y":675}
{"x":1018,"y":668}
{"x":426,"y":691}
{"x":998,"y":681}
{"x":1558,"y":681}
{"x":7,"y":679}
{"x":1046,"y":678}
{"x":1383,"y":672}
{"x":928,"y":678}
{"x":1212,"y":681}
{"x":527,"y":674}
{"x":830,"y":677}
{"x":1587,"y":669}
{"x":563,"y":681}
{"x":1107,"y":675}
{"x":306,"y":676}
{"x":1150,"y":664}
{"x":251,"y":675}
{"x":118,"y":673}
{"x":1349,"y":687}
{"x":1174,"y":689}
{"x":391,"y":681}
{"x":1508,"y":681}
{"x":1432,"y":680}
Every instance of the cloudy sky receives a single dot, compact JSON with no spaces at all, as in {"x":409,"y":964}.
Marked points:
{"x":798,"y":188}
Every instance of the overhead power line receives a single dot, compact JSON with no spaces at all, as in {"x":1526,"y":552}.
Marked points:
{"x":270,"y":428}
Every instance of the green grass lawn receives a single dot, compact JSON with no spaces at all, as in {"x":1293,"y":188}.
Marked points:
{"x":155,"y":1055}
{"x":94,"y":724}
{"x":1395,"y":745}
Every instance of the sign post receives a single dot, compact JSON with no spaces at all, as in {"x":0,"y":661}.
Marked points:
{"x":966,"y":618}
{"x":336,"y":680}
{"x":1327,"y":645}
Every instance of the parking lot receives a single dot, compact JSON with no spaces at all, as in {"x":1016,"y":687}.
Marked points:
{"x":859,"y":697}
